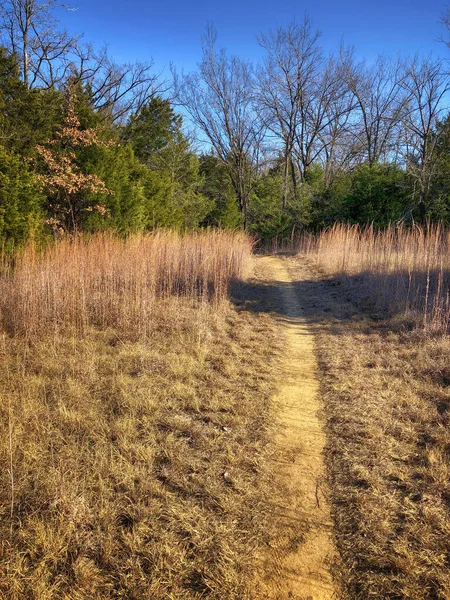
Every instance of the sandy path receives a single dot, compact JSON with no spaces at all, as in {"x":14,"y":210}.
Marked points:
{"x":301,"y":546}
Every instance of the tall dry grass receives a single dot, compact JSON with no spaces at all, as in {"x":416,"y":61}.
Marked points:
{"x":107,"y":281}
{"x":133,"y":467}
{"x":397,"y":271}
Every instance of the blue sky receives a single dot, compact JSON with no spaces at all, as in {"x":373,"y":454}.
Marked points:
{"x":171,"y":30}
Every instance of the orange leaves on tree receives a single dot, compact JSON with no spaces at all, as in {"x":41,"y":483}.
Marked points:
{"x":63,"y":178}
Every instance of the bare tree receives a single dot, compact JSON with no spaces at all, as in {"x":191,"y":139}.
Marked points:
{"x":48,"y":56}
{"x":116,"y":90}
{"x":426,"y":85}
{"x":325,"y":116}
{"x":32,"y":33}
{"x":291,"y":65}
{"x":339,"y":151}
{"x":220,"y":101}
{"x":380,"y":99}
{"x":303,"y":99}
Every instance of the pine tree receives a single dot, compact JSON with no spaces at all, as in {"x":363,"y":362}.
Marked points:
{"x":20,"y":200}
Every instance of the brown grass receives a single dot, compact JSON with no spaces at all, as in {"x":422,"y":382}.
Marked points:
{"x":396,"y":271}
{"x":132,"y":453}
{"x":386,"y":387}
{"x":388,"y":403}
{"x":106,"y":281}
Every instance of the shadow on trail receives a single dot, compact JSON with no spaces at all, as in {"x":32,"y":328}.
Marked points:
{"x":354,"y":306}
{"x":379,"y":299}
{"x":318,"y":300}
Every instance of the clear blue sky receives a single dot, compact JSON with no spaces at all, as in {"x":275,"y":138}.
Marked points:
{"x":171,"y":30}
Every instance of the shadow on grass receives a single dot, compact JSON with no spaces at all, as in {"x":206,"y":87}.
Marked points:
{"x":317,"y":300}
{"x":393,"y":301}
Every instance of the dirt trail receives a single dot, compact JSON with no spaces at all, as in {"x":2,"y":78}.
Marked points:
{"x":301,"y":546}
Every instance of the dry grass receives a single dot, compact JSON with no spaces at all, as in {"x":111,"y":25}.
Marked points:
{"x":396,"y":271}
{"x":386,"y":387}
{"x":385,"y":359}
{"x":133,"y":455}
{"x":388,"y":403}
{"x":106,"y":281}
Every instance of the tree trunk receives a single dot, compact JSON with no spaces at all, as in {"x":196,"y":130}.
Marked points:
{"x":294,"y":179}
{"x":25,"y":58}
{"x":422,"y":207}
{"x":285,"y":179}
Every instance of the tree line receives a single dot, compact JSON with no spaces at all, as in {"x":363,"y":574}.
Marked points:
{"x":301,"y":140}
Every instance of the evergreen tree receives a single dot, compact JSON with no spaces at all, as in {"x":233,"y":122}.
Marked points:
{"x":378,"y":194}
{"x":216,"y":186}
{"x":21,"y":214}
{"x":152,"y":130}
{"x":439,"y":207}
{"x":172,"y":186}
{"x":27,"y":117}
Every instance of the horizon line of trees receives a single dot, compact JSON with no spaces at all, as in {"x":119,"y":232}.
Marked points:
{"x":301,"y":140}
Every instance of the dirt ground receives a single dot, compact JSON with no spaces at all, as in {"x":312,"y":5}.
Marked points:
{"x":301,"y":552}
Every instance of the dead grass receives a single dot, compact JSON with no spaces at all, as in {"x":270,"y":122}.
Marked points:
{"x":388,"y":412}
{"x":396,"y":271}
{"x":386,"y":386}
{"x":133,"y":466}
{"x":107,"y":281}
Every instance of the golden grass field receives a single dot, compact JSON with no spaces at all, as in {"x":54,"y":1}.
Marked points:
{"x":106,"y":281}
{"x":134,"y":420}
{"x":396,"y":271}
{"x":137,"y":413}
{"x":382,"y":301}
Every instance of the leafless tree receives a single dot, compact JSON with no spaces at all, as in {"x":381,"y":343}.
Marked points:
{"x":380,"y":99}
{"x":33,"y":34}
{"x":48,"y":55}
{"x":303,"y":99}
{"x":116,"y":90}
{"x":220,"y":101}
{"x":325,"y":121}
{"x":293,"y":59}
{"x":426,"y":85}
{"x":339,"y":152}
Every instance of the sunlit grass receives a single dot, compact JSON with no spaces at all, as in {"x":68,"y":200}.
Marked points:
{"x":108,"y":281}
{"x":396,"y":271}
{"x":134,"y":421}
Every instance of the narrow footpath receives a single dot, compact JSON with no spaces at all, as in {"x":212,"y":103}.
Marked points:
{"x":301,"y":552}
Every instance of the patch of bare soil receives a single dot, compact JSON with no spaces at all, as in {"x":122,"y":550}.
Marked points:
{"x":300,"y":542}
